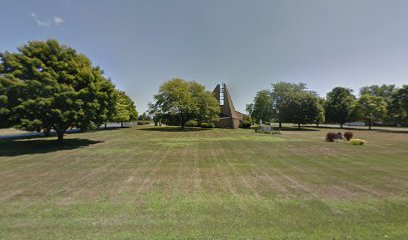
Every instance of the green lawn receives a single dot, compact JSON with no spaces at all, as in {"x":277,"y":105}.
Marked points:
{"x":160,"y":183}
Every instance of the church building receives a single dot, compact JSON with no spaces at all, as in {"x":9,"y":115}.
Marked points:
{"x":229,"y":117}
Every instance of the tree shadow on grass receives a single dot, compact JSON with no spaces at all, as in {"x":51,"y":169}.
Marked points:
{"x":40,"y":146}
{"x":302,"y":129}
{"x":172,"y":129}
{"x":374,"y":129}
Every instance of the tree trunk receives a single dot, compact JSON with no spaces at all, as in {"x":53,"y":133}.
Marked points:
{"x":298,"y":125}
{"x":121,"y":124}
{"x":341,"y":125}
{"x":60,"y":136}
{"x":280,"y":124}
{"x":106,"y":126}
{"x":317,"y":124}
{"x":369,"y":125}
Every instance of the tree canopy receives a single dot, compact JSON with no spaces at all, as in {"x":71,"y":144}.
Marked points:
{"x":183,"y":101}
{"x":51,"y":86}
{"x":261,"y":107}
{"x":280,"y":93}
{"x":302,"y":108}
{"x":125,"y":109}
{"x":287,"y":102}
{"x":371,"y":108}
{"x":339,"y":105}
{"x":399,"y":104}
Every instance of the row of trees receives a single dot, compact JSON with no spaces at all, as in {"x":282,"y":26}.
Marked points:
{"x":287,"y":102}
{"x":46,"y":85}
{"x":290,"y":102}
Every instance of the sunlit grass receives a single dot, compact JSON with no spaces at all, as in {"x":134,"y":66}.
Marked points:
{"x":147,"y":183}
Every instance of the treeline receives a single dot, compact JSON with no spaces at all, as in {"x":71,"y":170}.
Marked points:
{"x":46,"y":85}
{"x":294,"y":103}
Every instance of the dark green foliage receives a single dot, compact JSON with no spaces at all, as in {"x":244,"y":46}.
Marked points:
{"x":53,"y":86}
{"x":6,"y":82}
{"x":384,"y":91}
{"x":330,"y":136}
{"x":301,"y":108}
{"x":141,"y":122}
{"x":287,"y":102}
{"x":348,"y":135}
{"x":280,"y":93}
{"x":399,"y":105}
{"x":262,"y":107}
{"x":339,"y":105}
{"x":245,"y":124}
{"x":145,"y":117}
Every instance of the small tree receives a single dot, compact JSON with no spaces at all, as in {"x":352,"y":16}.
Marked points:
{"x":371,"y":108}
{"x":261,"y":107}
{"x":125,"y":109}
{"x":184,"y":101}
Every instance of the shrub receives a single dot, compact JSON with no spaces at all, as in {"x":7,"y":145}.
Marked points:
{"x":143,"y":122}
{"x":207,"y":125}
{"x":348,"y":135}
{"x":192,"y":123}
{"x":330,"y":136}
{"x":246,"y":124}
{"x":356,"y":141}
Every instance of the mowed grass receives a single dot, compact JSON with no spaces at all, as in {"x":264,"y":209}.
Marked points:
{"x":161,"y":183}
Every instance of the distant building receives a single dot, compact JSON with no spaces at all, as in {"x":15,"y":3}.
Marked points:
{"x":229,"y":117}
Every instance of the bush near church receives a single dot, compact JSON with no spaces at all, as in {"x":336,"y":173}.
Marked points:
{"x":356,"y":141}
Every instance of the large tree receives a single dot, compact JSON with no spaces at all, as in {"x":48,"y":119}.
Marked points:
{"x":280,"y":93}
{"x":387,"y":92}
{"x":302,"y":108}
{"x":54,"y":87}
{"x":399,"y":105}
{"x":261,"y":107}
{"x":184,"y":101}
{"x":339,"y":105}
{"x":125,"y":109}
{"x":371,"y":108}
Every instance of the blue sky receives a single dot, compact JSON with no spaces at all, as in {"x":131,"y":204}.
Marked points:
{"x":247,"y":44}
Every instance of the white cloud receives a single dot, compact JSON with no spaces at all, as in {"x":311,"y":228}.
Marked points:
{"x":40,"y":22}
{"x":56,"y":21}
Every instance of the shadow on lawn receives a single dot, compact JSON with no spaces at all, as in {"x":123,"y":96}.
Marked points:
{"x":295,"y":128}
{"x":23,"y":147}
{"x":172,"y":129}
{"x":374,"y":129}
